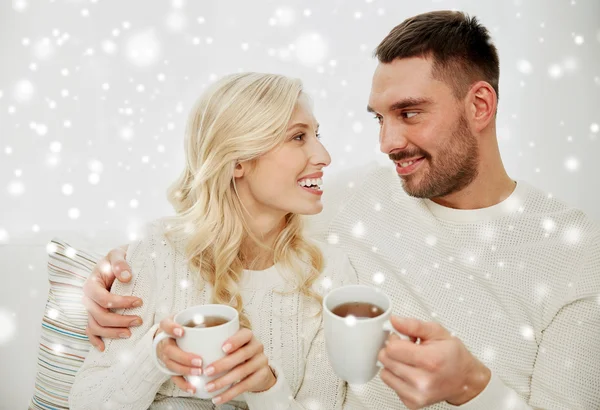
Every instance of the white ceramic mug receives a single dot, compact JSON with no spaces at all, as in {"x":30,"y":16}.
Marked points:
{"x":206,"y":342}
{"x":354,"y":343}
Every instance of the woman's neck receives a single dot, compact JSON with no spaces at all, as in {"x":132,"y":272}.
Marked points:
{"x":266,"y":229}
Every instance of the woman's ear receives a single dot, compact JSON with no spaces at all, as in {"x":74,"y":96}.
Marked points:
{"x":239,"y":170}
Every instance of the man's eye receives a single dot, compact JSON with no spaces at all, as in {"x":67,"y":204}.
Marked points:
{"x":378,"y":118}
{"x":409,"y":114}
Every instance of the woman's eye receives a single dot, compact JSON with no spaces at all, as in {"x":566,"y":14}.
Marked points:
{"x":378,"y":118}
{"x":302,"y":137}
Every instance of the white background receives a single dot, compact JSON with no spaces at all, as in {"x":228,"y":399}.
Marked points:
{"x":94,"y":96}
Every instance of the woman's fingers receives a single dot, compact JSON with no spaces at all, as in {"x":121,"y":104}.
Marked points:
{"x":239,"y":339}
{"x":243,"y":386}
{"x":180,"y":368}
{"x":245,"y":361}
{"x":172,"y":328}
{"x":177,"y":360}
{"x":183,"y":384}
{"x":239,"y":373}
{"x":233,"y":359}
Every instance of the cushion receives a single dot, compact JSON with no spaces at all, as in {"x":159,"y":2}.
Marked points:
{"x":63,"y":343}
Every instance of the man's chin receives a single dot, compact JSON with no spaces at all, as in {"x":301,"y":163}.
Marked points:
{"x":414,"y":188}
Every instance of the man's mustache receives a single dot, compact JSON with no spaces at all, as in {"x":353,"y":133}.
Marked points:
{"x":399,"y":156}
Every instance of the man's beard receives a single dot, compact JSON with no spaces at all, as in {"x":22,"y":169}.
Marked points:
{"x":455,"y":165}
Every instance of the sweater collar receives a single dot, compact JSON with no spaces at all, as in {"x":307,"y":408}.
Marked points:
{"x":511,"y":205}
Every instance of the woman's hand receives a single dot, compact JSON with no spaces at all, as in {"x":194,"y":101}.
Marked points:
{"x":245,"y":364}
{"x":176,"y":359}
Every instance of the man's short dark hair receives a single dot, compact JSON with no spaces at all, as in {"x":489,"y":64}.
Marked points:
{"x":460,"y":47}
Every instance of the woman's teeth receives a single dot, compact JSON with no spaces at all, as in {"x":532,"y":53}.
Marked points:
{"x":310,"y":182}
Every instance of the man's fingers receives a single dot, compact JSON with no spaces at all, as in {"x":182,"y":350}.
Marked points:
{"x":97,"y":280}
{"x":103,"y":273}
{"x":405,"y":351}
{"x":398,"y":368}
{"x":407,"y":394}
{"x":419,"y":329}
{"x":98,"y":285}
{"x":172,"y":328}
{"x":109,"y":332}
{"x":119,"y":266}
{"x":94,"y":340}
{"x":95,"y":290}
{"x":417,"y":356}
{"x":105,"y":318}
{"x":394,"y":336}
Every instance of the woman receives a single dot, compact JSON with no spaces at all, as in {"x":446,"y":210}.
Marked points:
{"x":253,"y":167}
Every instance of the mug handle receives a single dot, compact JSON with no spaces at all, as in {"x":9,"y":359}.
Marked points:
{"x":387,"y":327}
{"x":162,"y":336}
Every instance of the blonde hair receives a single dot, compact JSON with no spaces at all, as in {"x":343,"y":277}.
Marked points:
{"x":239,"y":118}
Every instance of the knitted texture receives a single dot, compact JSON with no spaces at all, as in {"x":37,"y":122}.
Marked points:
{"x":287,"y":323}
{"x":518,"y":283}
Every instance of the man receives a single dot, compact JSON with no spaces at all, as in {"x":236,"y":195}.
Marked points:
{"x":499,"y":282}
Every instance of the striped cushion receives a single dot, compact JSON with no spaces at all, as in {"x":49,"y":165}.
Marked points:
{"x":63,"y":344}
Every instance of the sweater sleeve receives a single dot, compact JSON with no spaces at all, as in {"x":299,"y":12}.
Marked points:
{"x":320,"y":388}
{"x":567,"y":369}
{"x":566,"y":374}
{"x":495,"y":396}
{"x":124,"y":375}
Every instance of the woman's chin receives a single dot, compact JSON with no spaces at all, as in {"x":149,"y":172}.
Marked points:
{"x":313,"y":209}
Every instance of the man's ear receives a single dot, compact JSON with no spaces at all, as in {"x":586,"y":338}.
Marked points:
{"x":482,"y":103}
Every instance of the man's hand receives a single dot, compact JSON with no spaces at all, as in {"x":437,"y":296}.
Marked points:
{"x":98,"y":300}
{"x":440,"y":368}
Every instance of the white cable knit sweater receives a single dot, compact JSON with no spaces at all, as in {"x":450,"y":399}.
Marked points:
{"x":289,"y":326}
{"x":518,"y":283}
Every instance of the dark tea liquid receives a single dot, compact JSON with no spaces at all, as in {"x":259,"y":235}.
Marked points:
{"x":208,"y":321}
{"x":358,"y":310}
